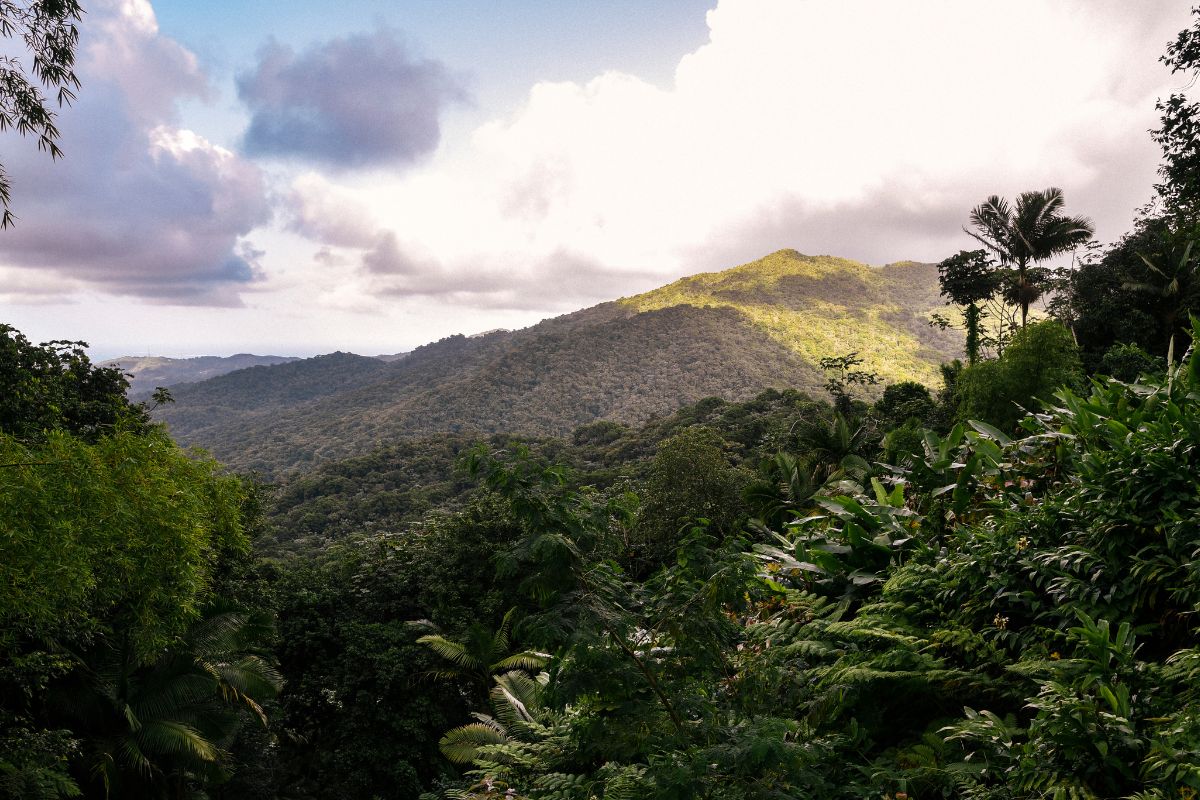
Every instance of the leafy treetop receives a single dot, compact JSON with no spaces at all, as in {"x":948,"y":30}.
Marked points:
{"x":47,"y":28}
{"x":54,"y":386}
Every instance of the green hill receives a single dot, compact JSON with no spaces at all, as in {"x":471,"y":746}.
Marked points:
{"x":818,"y":306}
{"x":147,"y":372}
{"x":729,"y":334}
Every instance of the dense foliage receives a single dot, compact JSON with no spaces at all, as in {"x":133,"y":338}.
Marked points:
{"x":985,"y":589}
{"x":1040,"y":359}
{"x":128,"y":663}
{"x":55,"y":386}
{"x":1042,"y":644}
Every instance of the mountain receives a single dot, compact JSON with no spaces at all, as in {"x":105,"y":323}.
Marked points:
{"x":729,"y":334}
{"x":822,"y":306}
{"x":389,"y":357}
{"x":150,"y":372}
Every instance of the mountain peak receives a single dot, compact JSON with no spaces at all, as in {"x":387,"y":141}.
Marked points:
{"x":818,"y":306}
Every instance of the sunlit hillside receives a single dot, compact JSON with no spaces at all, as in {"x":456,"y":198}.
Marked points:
{"x":821,"y":306}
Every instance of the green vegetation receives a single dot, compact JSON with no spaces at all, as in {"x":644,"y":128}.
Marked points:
{"x":821,"y":306}
{"x":128,"y":663}
{"x":1021,"y":236}
{"x":1040,"y":359}
{"x":731,"y":334}
{"x":981,"y":587}
{"x":55,"y":386}
{"x":1041,"y":644}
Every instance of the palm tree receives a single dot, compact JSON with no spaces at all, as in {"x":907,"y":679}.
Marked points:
{"x":517,"y":715}
{"x":785,"y":487}
{"x":836,"y":448}
{"x":1029,"y":233}
{"x":1173,"y":283}
{"x":160,"y":730}
{"x":481,"y":654}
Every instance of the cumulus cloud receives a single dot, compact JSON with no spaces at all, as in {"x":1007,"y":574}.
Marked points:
{"x":560,"y":281}
{"x":139,"y":206}
{"x":863,"y":129}
{"x":320,"y":210}
{"x":350,"y":102}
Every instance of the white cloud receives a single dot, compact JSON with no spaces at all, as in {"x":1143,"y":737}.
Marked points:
{"x":865,"y":129}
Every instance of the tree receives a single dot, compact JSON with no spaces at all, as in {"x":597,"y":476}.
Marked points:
{"x":843,"y":373}
{"x":1140,"y":292}
{"x":54,"y":386}
{"x":159,"y":729}
{"x":356,"y":717}
{"x":785,"y":485}
{"x":481,"y":654}
{"x":901,"y":402}
{"x":691,"y":478}
{"x":114,"y":543}
{"x":1179,"y":133}
{"x":971,"y":280}
{"x":1022,"y":236}
{"x":1128,"y":362}
{"x":1040,"y":359}
{"x":47,"y":29}
{"x":1173,"y":282}
{"x":108,"y":545}
{"x":837,"y":447}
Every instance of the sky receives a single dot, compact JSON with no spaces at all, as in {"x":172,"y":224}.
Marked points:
{"x":371,"y":175}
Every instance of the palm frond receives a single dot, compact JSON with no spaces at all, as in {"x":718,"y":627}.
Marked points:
{"x":527,"y":660}
{"x":163,"y":699}
{"x":451,"y":651}
{"x":461,"y":744}
{"x":129,"y":753}
{"x":500,"y":641}
{"x":515,"y":697}
{"x":169,"y":737}
{"x":249,"y":675}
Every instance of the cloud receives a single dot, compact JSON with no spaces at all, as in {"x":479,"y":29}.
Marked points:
{"x":357,"y":101}
{"x":865,"y":129}
{"x":151,"y":72}
{"x":561,"y":281}
{"x":138,"y":206}
{"x":322,"y":211}
{"x":19,"y":287}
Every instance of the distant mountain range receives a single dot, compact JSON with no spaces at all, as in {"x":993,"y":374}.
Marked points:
{"x":146,"y":373}
{"x":728,"y":334}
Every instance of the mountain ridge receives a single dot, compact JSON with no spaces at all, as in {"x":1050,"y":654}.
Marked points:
{"x":146,"y":373}
{"x":729,"y":334}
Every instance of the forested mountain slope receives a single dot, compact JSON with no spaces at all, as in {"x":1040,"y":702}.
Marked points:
{"x":282,"y":385}
{"x":822,"y":306}
{"x":729,"y":334}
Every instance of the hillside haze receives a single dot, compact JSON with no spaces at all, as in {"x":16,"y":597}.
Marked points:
{"x":729,"y":334}
{"x":149,"y":372}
